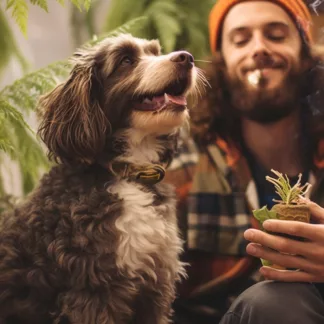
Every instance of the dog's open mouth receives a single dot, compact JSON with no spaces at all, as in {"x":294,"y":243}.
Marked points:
{"x":172,"y":95}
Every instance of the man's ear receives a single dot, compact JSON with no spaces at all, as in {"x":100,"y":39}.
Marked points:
{"x":74,"y":125}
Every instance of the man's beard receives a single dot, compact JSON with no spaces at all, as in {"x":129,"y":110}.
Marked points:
{"x":263,"y":105}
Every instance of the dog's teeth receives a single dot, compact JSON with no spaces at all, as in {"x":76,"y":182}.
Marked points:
{"x":166,"y":98}
{"x":147,"y":101}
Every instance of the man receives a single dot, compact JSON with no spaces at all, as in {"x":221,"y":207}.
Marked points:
{"x":240,"y":132}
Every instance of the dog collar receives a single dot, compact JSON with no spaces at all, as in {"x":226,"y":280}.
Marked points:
{"x":150,"y":174}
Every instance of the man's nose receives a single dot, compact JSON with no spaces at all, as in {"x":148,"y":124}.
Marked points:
{"x":260,"y":47}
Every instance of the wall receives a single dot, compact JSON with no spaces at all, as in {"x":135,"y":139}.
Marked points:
{"x":49,"y":39}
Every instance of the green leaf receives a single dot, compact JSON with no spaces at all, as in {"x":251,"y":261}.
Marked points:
{"x":263,"y":214}
{"x":87,"y":4}
{"x":31,"y":159}
{"x":168,"y":30}
{"x":8,"y":46}
{"x":40,"y":3}
{"x":167,"y":21}
{"x":7,"y":147}
{"x":19,"y":13}
{"x":8,"y":111}
{"x":266,"y":263}
{"x":122,"y":11}
{"x":61,"y":2}
{"x":131,"y":26}
{"x":77,"y":3}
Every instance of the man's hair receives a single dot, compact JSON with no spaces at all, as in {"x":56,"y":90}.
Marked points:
{"x":296,"y":9}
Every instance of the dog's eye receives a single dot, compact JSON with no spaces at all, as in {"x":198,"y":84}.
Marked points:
{"x":126,"y":60}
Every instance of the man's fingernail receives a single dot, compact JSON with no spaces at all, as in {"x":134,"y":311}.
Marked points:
{"x":263,"y":271}
{"x":248,"y":234}
{"x":251,"y":249}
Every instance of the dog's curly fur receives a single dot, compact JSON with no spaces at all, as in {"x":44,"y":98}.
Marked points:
{"x":89,"y":246}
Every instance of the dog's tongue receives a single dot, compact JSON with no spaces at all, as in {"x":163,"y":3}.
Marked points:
{"x":178,"y":100}
{"x":159,"y":102}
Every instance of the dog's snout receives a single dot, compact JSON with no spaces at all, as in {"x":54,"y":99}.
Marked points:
{"x":183,"y":58}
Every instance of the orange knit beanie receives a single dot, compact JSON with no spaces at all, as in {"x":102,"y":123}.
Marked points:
{"x":296,"y":8}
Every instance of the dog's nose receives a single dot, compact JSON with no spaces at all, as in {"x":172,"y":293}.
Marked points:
{"x":183,"y":58}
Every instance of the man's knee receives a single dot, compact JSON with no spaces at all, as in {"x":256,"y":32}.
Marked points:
{"x":277,"y":302}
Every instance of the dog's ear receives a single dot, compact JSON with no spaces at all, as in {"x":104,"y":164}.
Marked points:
{"x":74,"y":125}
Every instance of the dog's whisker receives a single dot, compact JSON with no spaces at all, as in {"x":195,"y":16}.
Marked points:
{"x":203,"y":61}
{"x":202,"y":78}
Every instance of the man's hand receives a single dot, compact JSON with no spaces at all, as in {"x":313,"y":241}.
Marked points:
{"x":308,"y":256}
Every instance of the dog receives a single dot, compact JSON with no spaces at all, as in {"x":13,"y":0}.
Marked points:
{"x":97,"y":241}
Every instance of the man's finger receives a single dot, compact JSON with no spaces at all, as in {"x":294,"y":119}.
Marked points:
{"x":316,"y":210}
{"x":282,"y":244}
{"x":289,"y":276}
{"x":312,"y":232}
{"x":283,"y":260}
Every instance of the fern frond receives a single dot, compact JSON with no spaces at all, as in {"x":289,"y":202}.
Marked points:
{"x":19,"y":142}
{"x":6,"y":110}
{"x":24,"y":92}
{"x":82,"y":3}
{"x":19,"y":13}
{"x":2,"y":193}
{"x":167,"y":21}
{"x":7,"y":147}
{"x":40,"y":3}
{"x":129,"y":27}
{"x":122,"y":11}
{"x":30,"y":157}
{"x":17,"y":139}
{"x":8,"y":46}
{"x":19,"y":9}
{"x":77,"y":3}
{"x":87,"y":4}
{"x":33,"y":162}
{"x":168,"y":29}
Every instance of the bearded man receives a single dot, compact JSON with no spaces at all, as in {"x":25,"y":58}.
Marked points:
{"x":264,"y":111}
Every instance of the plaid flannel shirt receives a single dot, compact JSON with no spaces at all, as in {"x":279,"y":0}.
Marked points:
{"x":216,"y":196}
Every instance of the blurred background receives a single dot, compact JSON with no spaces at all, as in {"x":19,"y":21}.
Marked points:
{"x":38,"y":36}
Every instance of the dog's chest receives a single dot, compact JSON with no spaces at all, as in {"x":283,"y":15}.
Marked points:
{"x":148,"y":234}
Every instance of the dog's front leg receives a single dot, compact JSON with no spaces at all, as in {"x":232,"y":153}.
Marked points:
{"x":154,"y":308}
{"x":81,"y":307}
{"x":94,"y":307}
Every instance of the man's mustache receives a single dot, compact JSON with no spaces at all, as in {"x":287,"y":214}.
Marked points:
{"x":264,"y":63}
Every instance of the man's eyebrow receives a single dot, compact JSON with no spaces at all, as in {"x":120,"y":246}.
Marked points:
{"x":278,"y":24}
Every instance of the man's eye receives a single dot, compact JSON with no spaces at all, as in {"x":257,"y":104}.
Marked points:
{"x":240,"y":39}
{"x":276,"y":38}
{"x":240,"y":42}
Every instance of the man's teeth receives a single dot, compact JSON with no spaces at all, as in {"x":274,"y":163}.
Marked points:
{"x":254,"y":77}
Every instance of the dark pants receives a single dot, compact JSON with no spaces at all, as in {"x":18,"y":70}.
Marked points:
{"x":267,"y":302}
{"x":271,"y":302}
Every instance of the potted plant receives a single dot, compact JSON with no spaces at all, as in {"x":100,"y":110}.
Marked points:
{"x":288,"y":208}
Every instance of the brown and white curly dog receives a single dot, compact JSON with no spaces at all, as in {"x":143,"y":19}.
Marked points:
{"x":97,"y":242}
